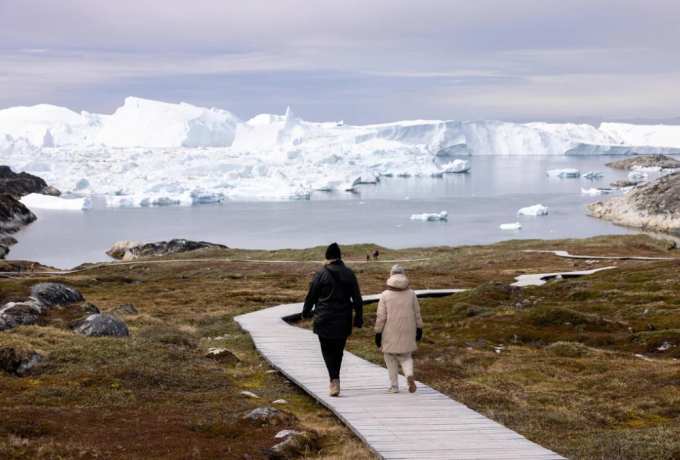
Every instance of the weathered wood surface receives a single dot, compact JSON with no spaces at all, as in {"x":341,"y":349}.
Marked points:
{"x":424,"y":425}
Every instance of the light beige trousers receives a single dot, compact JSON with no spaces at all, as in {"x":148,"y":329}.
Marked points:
{"x":393,"y":360}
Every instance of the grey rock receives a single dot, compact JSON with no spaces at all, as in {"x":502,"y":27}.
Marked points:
{"x":51,"y":191}
{"x":626,"y":183}
{"x":263,"y":412}
{"x":103,"y":326}
{"x":30,"y":363}
{"x":18,"y":314}
{"x":132,"y":250}
{"x":125,"y":309}
{"x":56,"y":294}
{"x":91,"y":309}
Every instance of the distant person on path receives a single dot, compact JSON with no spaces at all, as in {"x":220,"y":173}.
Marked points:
{"x":375,"y":255}
{"x":334,"y":293}
{"x":398,"y":327}
{"x":19,"y":268}
{"x":32,"y":268}
{"x":368,"y":256}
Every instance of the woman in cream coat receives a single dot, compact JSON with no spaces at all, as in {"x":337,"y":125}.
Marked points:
{"x":398,"y":326}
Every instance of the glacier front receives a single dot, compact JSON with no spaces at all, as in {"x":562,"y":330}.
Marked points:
{"x":154,"y":153}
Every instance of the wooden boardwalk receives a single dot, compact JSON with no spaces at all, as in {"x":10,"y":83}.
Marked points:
{"x":420,"y":426}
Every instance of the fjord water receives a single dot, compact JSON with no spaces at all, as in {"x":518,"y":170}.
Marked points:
{"x":478,"y":202}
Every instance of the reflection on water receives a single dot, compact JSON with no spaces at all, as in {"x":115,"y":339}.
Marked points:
{"x":477,"y":203}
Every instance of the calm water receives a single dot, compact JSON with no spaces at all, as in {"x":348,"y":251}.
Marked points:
{"x":477,"y":203}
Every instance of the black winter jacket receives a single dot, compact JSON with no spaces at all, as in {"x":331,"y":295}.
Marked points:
{"x":333,"y":312}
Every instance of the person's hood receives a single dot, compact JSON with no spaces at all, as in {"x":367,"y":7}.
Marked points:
{"x":397,"y":283}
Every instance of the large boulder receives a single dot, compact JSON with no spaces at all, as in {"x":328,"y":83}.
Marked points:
{"x":18,"y":314}
{"x":103,"y":326}
{"x":131,"y":250}
{"x":646,"y":161}
{"x":56,"y":294}
{"x":655,"y":205}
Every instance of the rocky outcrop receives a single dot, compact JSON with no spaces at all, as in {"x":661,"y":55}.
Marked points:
{"x":15,"y":314}
{"x":131,"y":250}
{"x":103,"y":326}
{"x":126,"y":309}
{"x":14,"y":215}
{"x":626,"y":183}
{"x":13,"y":362}
{"x":56,"y":294}
{"x":655,"y":205}
{"x":646,"y":161}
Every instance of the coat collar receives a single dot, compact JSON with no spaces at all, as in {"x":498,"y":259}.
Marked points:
{"x":398,"y":283}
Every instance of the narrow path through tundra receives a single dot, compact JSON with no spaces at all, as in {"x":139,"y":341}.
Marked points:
{"x":425,"y":425}
{"x":571,"y":256}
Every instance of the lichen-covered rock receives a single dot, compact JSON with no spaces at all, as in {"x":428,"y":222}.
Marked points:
{"x":12,"y":362}
{"x":56,"y":294}
{"x":103,"y":326}
{"x":646,"y":161}
{"x":18,"y":314}
{"x":626,"y":183}
{"x":125,"y":309}
{"x":27,"y":365}
{"x":655,"y":205}
{"x":132,"y":250}
{"x":263,"y":412}
{"x":222,"y":355}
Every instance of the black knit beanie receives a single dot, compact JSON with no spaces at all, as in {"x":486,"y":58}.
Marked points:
{"x":333,"y":252}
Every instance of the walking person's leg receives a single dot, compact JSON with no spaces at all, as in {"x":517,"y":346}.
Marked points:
{"x":332,"y":351}
{"x":406,"y":361}
{"x":392,"y":371}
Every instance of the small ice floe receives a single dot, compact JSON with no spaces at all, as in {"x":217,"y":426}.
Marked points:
{"x":456,"y":166}
{"x":535,"y":210}
{"x":647,"y":168}
{"x":515,"y":226}
{"x":38,"y":201}
{"x":637,"y":175}
{"x":590,"y":175}
{"x":595,"y":191}
{"x":564,"y":173}
{"x":431,"y":217}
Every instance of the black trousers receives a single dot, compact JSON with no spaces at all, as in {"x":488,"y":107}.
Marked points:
{"x":332,"y":349}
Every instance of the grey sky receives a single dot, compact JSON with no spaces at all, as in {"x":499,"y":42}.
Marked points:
{"x":361,"y":61}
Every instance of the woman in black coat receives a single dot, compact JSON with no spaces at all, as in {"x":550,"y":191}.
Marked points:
{"x":334,"y":293}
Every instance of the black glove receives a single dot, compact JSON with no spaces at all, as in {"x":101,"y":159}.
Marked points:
{"x":419,"y":334}
{"x":358,"y":323}
{"x":378,"y":339}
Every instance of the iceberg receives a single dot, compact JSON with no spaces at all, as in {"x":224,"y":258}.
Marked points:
{"x":564,"y":173}
{"x":647,"y":168}
{"x":515,"y":226}
{"x":637,"y":175}
{"x":590,"y":175}
{"x":595,"y":191}
{"x":456,"y":166}
{"x":431,"y":217}
{"x":153,"y":153}
{"x":38,"y":201}
{"x":536,"y":210}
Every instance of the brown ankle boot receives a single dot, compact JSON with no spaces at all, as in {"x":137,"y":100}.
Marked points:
{"x":335,"y":387}
{"x":411,"y":384}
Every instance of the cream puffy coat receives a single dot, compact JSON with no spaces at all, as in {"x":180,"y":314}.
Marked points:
{"x":398,"y":316}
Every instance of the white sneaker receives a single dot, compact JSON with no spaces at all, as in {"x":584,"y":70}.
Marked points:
{"x":393,"y":389}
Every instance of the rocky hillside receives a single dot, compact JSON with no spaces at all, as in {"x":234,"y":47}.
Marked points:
{"x":14,"y":215}
{"x":646,"y":161}
{"x":655,"y":205}
{"x":131,"y":250}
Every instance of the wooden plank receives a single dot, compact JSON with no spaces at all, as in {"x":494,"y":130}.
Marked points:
{"x":426,"y":425}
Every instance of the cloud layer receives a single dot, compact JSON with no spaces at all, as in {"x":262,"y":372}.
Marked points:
{"x":353,"y":60}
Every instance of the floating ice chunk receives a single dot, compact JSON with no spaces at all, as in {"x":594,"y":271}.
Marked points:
{"x":515,"y":226}
{"x":535,"y":210}
{"x":595,"y":191}
{"x":647,"y":168}
{"x":456,"y":166}
{"x":590,"y":175}
{"x":431,"y":217}
{"x":636,"y":175}
{"x":564,"y":173}
{"x":38,"y":201}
